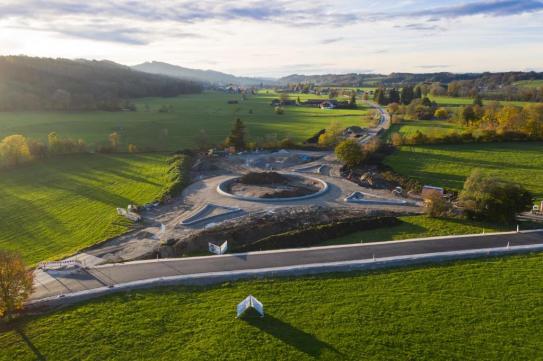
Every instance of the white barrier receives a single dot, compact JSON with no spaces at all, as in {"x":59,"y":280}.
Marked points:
{"x":58,"y":264}
{"x":247,"y":303}
{"x":213,"y":248}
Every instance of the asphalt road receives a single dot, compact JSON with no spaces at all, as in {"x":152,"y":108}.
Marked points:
{"x":49,"y":285}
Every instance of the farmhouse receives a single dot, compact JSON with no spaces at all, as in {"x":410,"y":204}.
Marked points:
{"x":354,"y":131}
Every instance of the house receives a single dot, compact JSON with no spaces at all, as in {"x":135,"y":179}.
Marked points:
{"x":354,"y":131}
{"x":328,"y":105}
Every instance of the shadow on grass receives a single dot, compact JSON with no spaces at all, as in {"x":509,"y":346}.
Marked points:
{"x":290,"y":335}
{"x":30,"y":345}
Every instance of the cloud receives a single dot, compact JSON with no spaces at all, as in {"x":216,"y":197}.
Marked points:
{"x":433,"y":66}
{"x":331,"y":40}
{"x":420,"y":27}
{"x":491,"y":8}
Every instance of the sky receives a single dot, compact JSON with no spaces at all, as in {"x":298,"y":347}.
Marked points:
{"x":273,"y":38}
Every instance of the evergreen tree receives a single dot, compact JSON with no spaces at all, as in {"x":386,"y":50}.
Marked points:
{"x":418,"y":92}
{"x":478,"y":101}
{"x":407,"y":95}
{"x":237,"y":136}
{"x":394,"y":96}
{"x":380,"y":97}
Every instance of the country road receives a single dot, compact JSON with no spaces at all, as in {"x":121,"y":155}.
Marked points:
{"x":102,"y":278}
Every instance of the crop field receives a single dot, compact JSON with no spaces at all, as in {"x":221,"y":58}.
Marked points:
{"x":449,"y":165}
{"x":471,"y":310}
{"x":53,"y":208}
{"x":186,"y":116}
{"x":418,"y":227}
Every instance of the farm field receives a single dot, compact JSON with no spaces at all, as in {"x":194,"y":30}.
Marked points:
{"x":418,"y":227}
{"x":449,"y":165}
{"x":56,"y":207}
{"x":476,"y":310}
{"x":447,"y":101}
{"x":428,"y":127}
{"x":177,"y":129}
{"x":529,"y":83}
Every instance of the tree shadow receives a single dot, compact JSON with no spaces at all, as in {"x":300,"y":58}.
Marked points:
{"x":30,"y":345}
{"x":290,"y":335}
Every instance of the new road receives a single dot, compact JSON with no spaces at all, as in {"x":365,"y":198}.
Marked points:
{"x":94,"y":281}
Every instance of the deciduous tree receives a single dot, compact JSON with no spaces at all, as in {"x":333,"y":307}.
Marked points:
{"x":15,"y":283}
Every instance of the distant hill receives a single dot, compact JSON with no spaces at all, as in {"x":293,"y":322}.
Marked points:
{"x":28,"y":83}
{"x":205,"y":76}
{"x":398,"y":79}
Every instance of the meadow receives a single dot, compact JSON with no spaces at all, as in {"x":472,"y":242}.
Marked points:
{"x":53,"y":208}
{"x":529,"y":83}
{"x":472,"y":310}
{"x":449,"y":165}
{"x":434,"y":128}
{"x":447,"y":101}
{"x":178,"y":128}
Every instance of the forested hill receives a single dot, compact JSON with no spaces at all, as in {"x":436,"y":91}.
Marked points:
{"x":206,"y":76}
{"x":28,"y":83}
{"x":399,"y":79}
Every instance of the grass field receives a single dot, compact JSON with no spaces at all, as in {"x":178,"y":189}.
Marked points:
{"x":177,"y":129}
{"x":529,"y":83}
{"x":418,"y":227}
{"x":433,"y":128}
{"x":53,"y":208}
{"x":475,"y":310}
{"x":449,"y":165}
{"x":447,"y":101}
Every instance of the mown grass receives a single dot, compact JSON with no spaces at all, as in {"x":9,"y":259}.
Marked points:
{"x":435,"y":128}
{"x":474,"y":310}
{"x":449,"y":165}
{"x":178,"y":129}
{"x":56,"y":207}
{"x":418,"y":227}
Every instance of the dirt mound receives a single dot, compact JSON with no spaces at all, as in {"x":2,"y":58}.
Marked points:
{"x":263,"y":178}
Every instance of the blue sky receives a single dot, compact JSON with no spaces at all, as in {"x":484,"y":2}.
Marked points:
{"x":276,"y":37}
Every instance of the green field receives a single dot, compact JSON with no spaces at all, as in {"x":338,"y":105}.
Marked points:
{"x":449,"y":165}
{"x":476,"y":310}
{"x":529,"y":83}
{"x":434,"y":128}
{"x":447,"y":101}
{"x":418,"y":227}
{"x":177,"y":129}
{"x":55,"y":207}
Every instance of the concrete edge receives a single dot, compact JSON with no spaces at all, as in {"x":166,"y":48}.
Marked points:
{"x":195,"y":217}
{"x":290,"y":271}
{"x":303,"y":249}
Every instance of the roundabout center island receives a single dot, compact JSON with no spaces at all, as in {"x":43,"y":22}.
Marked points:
{"x":272,"y":187}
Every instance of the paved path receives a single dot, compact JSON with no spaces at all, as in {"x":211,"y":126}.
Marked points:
{"x":49,"y":285}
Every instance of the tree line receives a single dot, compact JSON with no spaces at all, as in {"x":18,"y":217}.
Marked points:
{"x":28,"y":83}
{"x":16,"y":150}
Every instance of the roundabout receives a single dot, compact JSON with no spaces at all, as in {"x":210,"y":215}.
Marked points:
{"x":272,"y":187}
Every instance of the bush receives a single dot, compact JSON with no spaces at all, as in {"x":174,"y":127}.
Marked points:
{"x":350,"y":153}
{"x":489,"y":198}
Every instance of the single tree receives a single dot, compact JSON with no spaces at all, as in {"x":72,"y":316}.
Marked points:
{"x":15,"y":283}
{"x":441,"y":113}
{"x":478,"y":100}
{"x":407,"y":94}
{"x":114,"y":141}
{"x":468,"y":114}
{"x":237,"y":136}
{"x":393,"y":96}
{"x":349,"y":153}
{"x":496,"y":200}
{"x":14,"y":150}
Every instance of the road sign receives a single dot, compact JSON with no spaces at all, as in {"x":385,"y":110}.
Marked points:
{"x":213,"y":248}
